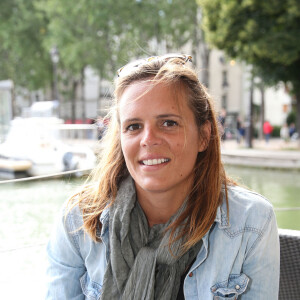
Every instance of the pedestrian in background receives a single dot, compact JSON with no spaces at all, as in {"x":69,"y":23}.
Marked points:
{"x":222,"y":123}
{"x":267,"y":129}
{"x":240,"y":130}
{"x":292,"y":130}
{"x":100,"y":127}
{"x":284,"y":132}
{"x":159,"y":218}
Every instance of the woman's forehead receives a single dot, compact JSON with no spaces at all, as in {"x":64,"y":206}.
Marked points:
{"x":150,"y":88}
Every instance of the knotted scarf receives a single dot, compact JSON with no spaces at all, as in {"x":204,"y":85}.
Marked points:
{"x":141,"y":266}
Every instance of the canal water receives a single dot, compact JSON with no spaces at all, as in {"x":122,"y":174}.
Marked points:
{"x":27,"y":214}
{"x":281,"y":188}
{"x":28,"y":210}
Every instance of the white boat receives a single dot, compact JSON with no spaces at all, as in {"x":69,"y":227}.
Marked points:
{"x":34,"y":144}
{"x":13,"y":168}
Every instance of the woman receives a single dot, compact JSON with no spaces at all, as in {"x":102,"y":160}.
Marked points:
{"x":160,"y":219}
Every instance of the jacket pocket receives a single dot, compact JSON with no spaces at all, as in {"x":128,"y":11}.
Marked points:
{"x":91,"y":289}
{"x":230,"y":289}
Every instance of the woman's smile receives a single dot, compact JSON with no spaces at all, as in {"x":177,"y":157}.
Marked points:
{"x":154,"y":162}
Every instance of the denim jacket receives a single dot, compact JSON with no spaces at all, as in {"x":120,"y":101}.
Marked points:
{"x":239,"y":258}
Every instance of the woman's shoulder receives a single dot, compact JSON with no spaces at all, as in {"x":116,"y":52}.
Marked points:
{"x":247,"y":209}
{"x":72,"y":208}
{"x":71,"y":216}
{"x":238,"y":195}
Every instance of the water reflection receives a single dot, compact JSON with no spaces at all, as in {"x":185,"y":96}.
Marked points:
{"x":282,"y":188}
{"x":27,"y":213}
{"x":28,"y":209}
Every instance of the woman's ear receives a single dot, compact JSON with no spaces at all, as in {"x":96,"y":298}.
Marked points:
{"x":204,"y":136}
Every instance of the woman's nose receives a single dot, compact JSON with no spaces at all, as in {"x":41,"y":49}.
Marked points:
{"x":150,"y":137}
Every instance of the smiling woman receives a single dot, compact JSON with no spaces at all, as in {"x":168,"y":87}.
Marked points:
{"x":159,"y":205}
{"x":158,"y":133}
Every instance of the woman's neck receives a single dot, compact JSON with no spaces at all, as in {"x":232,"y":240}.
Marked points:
{"x":159,"y":207}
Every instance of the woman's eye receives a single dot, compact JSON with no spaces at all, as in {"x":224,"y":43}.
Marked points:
{"x":170,"y":123}
{"x":133,"y":127}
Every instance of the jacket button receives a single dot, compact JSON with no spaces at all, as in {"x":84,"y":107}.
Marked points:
{"x":237,"y":287}
{"x":191,"y":274}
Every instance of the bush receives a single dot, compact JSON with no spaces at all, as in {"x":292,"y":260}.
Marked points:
{"x":291,"y":117}
{"x":276,"y":131}
{"x":255,"y":133}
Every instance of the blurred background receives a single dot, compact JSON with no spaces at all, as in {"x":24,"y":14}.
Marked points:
{"x":58,"y":61}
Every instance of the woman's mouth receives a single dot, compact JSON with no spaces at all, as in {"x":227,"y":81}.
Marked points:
{"x":153,"y":162}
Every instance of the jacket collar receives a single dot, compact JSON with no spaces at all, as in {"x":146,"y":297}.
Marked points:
{"x":104,"y":215}
{"x":221,"y":217}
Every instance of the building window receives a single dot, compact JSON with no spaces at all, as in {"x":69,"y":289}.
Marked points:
{"x":224,"y":81}
{"x":224,"y":101}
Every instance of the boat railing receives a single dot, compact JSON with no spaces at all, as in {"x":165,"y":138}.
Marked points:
{"x":78,"y":131}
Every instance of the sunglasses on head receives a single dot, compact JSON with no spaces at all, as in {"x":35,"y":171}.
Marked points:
{"x":135,"y":64}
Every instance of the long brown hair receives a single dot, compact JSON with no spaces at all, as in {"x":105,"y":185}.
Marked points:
{"x":210,"y":181}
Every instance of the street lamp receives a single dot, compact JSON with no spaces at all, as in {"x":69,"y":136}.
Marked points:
{"x":55,"y":59}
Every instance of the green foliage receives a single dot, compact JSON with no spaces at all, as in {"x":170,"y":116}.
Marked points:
{"x":263,"y":33}
{"x":291,"y":117}
{"x":22,"y":30}
{"x":108,"y":34}
{"x":276,"y":131}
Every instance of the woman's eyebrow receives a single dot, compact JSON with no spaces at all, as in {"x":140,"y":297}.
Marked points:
{"x":131,"y":120}
{"x":168,"y":116}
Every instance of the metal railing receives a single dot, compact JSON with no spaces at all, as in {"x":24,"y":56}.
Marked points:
{"x":78,"y":131}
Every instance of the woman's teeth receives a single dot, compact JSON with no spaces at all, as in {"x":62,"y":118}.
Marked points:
{"x":151,"y":162}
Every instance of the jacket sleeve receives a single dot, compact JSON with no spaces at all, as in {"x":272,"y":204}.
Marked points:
{"x":65,"y":264}
{"x":262,"y":263}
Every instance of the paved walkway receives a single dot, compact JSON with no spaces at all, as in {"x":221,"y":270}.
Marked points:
{"x":275,"y":154}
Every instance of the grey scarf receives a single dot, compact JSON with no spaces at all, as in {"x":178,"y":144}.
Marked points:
{"x":141,"y":266}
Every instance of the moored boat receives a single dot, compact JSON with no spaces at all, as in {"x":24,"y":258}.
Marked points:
{"x":33,"y":147}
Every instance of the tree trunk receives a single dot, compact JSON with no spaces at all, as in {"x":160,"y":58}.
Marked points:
{"x":82,"y":84}
{"x":298,"y":115}
{"x":196,"y":39}
{"x":73,"y":101}
{"x":206,"y":56}
{"x":249,"y":127}
{"x":52,"y":92}
{"x":201,"y":48}
{"x":262,"y":112}
{"x":13,"y":102}
{"x":99,"y":97}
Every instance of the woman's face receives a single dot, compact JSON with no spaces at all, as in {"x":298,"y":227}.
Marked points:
{"x":159,"y":138}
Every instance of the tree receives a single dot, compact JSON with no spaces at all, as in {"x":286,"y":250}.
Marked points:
{"x":23,"y":58}
{"x":262,"y":33}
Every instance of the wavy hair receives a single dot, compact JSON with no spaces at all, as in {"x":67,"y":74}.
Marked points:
{"x":210,"y":181}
